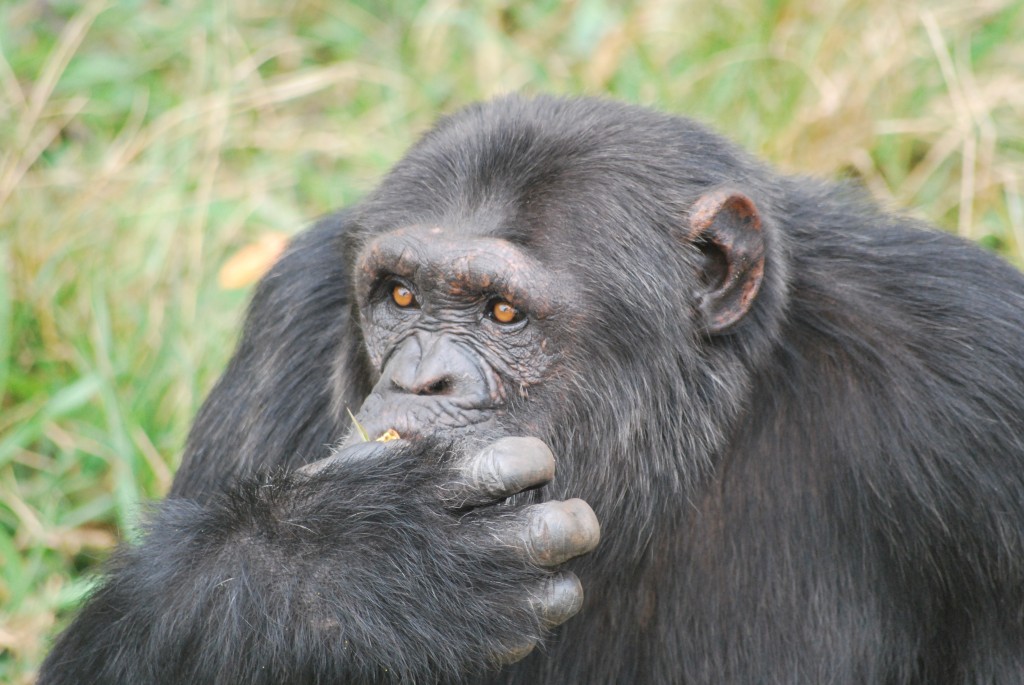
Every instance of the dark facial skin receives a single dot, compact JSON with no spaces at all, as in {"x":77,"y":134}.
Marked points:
{"x":470,"y":332}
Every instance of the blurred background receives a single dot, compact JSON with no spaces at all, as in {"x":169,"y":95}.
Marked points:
{"x":154,"y":155}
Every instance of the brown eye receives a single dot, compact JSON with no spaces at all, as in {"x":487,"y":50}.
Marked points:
{"x":402,"y":296}
{"x":503,"y":312}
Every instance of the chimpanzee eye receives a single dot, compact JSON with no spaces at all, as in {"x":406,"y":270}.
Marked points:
{"x":403,"y":297}
{"x":503,"y":312}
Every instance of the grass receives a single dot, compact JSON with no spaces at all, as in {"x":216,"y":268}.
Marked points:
{"x":142,"y":144}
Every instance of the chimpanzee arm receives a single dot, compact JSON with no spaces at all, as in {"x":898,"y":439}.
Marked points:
{"x":356,"y":572}
{"x":275,"y":403}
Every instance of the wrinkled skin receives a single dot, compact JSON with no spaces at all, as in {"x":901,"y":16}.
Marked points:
{"x":445,"y":363}
{"x":666,"y":416}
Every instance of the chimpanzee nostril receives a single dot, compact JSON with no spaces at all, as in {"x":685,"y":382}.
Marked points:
{"x":438,"y":387}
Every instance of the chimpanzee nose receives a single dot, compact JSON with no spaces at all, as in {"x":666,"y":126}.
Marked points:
{"x":430,"y":365}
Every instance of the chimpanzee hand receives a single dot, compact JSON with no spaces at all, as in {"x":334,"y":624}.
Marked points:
{"x":538,"y":536}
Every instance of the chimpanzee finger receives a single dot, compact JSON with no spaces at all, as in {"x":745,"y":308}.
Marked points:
{"x":348,"y":455}
{"x":558,"y":531}
{"x":515,"y":654}
{"x":503,"y":468}
{"x":559,"y":599}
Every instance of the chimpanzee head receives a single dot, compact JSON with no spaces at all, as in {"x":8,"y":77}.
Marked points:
{"x":533,"y":264}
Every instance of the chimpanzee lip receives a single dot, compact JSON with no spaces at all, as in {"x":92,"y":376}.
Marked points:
{"x":410,"y":427}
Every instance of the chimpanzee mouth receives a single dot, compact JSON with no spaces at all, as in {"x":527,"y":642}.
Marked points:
{"x":413,"y":425}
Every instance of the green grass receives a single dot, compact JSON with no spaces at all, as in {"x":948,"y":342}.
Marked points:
{"x":143,"y":143}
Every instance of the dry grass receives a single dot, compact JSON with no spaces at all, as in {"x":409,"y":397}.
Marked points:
{"x":141,"y":148}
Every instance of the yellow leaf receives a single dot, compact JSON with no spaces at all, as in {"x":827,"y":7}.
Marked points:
{"x":252,"y":261}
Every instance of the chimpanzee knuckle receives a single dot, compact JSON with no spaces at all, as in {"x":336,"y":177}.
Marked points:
{"x":558,"y":531}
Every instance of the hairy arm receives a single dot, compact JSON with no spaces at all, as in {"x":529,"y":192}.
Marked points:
{"x":368,"y":569}
{"x":281,"y":399}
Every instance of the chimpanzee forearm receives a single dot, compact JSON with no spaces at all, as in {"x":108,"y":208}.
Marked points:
{"x":353,"y":573}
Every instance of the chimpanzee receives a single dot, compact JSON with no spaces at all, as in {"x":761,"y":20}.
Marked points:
{"x":799,"y":420}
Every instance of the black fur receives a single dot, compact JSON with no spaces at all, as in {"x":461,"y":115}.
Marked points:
{"x":832,"y":491}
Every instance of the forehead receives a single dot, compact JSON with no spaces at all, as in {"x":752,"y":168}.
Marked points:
{"x":416,"y":247}
{"x":515,"y":170}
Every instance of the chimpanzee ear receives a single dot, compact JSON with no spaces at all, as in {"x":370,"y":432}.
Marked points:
{"x":726,"y":227}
